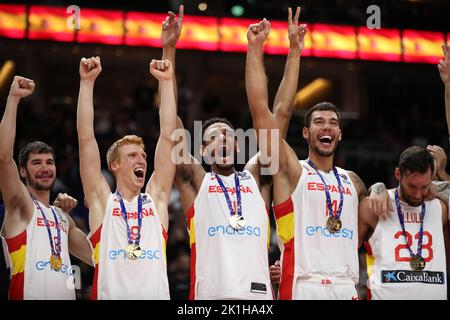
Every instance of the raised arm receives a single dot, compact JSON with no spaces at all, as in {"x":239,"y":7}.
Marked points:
{"x":18,"y":205}
{"x":95,"y":187}
{"x":444,"y":70}
{"x":274,"y":153}
{"x":170,"y":33}
{"x":439,"y":155}
{"x":284,"y":99}
{"x":160,"y":184}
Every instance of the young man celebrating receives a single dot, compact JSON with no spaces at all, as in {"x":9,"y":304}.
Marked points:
{"x":38,"y":237}
{"x":128,"y":228}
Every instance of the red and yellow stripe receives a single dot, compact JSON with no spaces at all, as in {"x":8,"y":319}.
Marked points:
{"x":334,"y":41}
{"x":49,"y":23}
{"x":95,"y":242}
{"x":284,"y":216}
{"x":422,"y":46}
{"x":17,"y":249}
{"x":143,"y":29}
{"x":101,"y":26}
{"x":379,"y":44}
{"x":13,"y":21}
{"x":191,"y":229}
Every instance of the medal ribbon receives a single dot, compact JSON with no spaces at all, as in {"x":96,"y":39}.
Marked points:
{"x":227,"y":197}
{"x":124,"y":215}
{"x":402,"y":224}
{"x":56,"y":250}
{"x":327,"y":192}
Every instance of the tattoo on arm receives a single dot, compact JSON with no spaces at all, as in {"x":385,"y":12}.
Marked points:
{"x":359,"y":185}
{"x":378,"y":188}
{"x":442,"y":190}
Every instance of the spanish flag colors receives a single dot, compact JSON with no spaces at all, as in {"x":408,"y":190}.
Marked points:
{"x":13,"y":21}
{"x":218,"y":34}
{"x":381,"y":44}
{"x":49,"y":23}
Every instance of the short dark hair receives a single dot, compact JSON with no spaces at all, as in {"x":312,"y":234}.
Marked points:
{"x":321,"y":106}
{"x":211,"y":121}
{"x":415,"y":159}
{"x":33,"y":147}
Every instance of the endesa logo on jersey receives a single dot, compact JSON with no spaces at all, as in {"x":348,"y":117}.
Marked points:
{"x":45,"y":265}
{"x":322,"y":231}
{"x":149,"y":254}
{"x":227,"y":230}
{"x":408,"y":276}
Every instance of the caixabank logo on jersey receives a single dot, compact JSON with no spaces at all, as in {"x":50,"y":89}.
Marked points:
{"x":408,"y":276}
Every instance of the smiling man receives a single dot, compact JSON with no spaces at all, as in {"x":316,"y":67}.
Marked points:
{"x":37,"y":236}
{"x":315,"y":202}
{"x":128,"y":228}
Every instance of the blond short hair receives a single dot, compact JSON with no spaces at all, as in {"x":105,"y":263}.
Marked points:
{"x":113,"y":151}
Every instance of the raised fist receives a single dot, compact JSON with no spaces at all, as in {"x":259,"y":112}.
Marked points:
{"x":257,"y":33}
{"x":161,"y":69}
{"x":90,"y":68}
{"x":21,"y":87}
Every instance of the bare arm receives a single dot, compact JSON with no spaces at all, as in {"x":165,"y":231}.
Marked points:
{"x":160,"y":184}
{"x":79,"y":245}
{"x":359,"y":185}
{"x":95,"y":187}
{"x":366,"y":221}
{"x":439,"y":155}
{"x":379,"y":202}
{"x":444,"y":70}
{"x":284,"y":99}
{"x":18,"y":205}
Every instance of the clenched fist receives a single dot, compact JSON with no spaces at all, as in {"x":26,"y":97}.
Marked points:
{"x":161,"y":70}
{"x":21,"y":87}
{"x":65,"y":202}
{"x":90,"y":68}
{"x":257,"y":33}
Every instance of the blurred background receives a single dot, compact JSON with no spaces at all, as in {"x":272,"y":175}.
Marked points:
{"x":385,"y":82}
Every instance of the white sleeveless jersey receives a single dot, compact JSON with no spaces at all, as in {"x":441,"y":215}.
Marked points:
{"x":28,"y":258}
{"x":388,"y":258}
{"x":309,"y":252}
{"x":228,"y":263}
{"x":118,"y":277}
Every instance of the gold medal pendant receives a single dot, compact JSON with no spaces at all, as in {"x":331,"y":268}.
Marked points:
{"x":55,"y":262}
{"x":237,"y":221}
{"x":133,"y":251}
{"x":334,"y":224}
{"x":417,"y":263}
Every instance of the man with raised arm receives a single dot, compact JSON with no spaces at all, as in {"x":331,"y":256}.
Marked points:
{"x":128,"y":228}
{"x":37,"y":236}
{"x":226,"y":210}
{"x":316,"y":203}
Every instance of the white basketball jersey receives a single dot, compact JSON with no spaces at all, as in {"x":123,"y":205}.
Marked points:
{"x":388,"y":258}
{"x":228,"y":263}
{"x":118,"y":277}
{"x":28,"y":258}
{"x":308,"y":250}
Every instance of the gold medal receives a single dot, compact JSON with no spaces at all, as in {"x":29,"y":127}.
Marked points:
{"x":55,"y":262}
{"x":417,"y":263}
{"x":133,"y":251}
{"x":334,"y":224}
{"x":237,"y":221}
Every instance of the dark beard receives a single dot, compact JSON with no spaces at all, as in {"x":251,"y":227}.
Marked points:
{"x":37,"y":186}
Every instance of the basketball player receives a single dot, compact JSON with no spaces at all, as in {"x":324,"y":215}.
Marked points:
{"x":316,"y":203}
{"x":128,"y":228}
{"x":37,"y":237}
{"x":226,"y":210}
{"x":406,"y":252}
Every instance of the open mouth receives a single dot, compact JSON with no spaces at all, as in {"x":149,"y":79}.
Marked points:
{"x":326,"y":139}
{"x":139,"y":172}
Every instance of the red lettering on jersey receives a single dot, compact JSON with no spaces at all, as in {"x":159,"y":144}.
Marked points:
{"x":116,"y":212}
